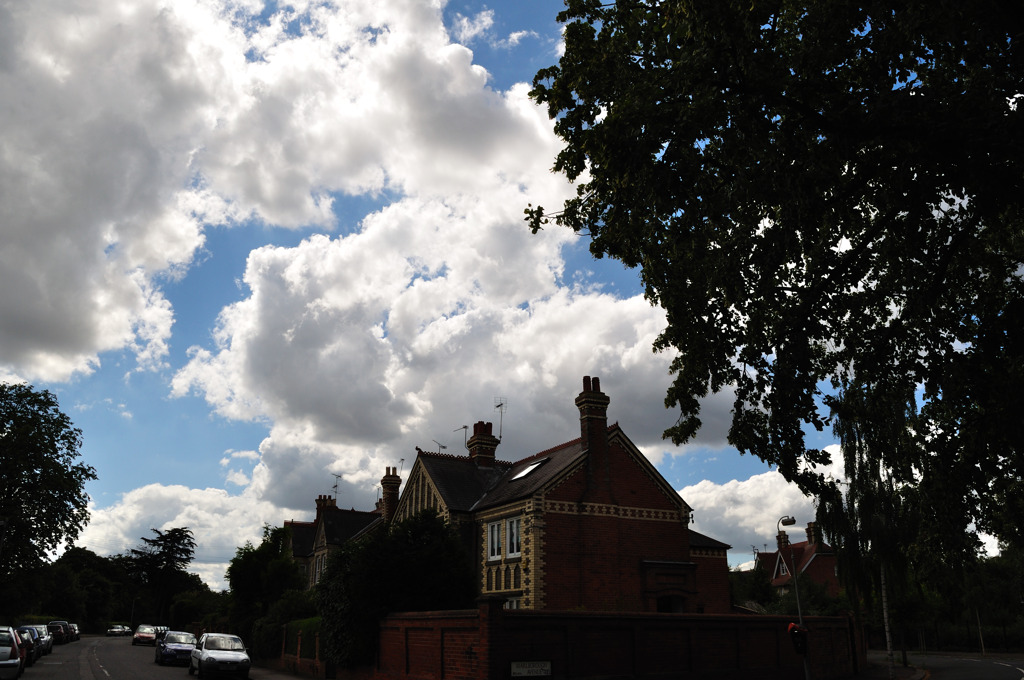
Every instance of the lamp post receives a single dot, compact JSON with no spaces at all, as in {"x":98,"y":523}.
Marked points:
{"x":788,"y":521}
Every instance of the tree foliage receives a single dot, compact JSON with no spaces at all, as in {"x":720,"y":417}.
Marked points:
{"x":418,"y":564}
{"x":159,"y":566}
{"x":821,"y":196}
{"x":42,"y":483}
{"x":261,"y":576}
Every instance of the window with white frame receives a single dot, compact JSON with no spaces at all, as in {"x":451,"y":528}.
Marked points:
{"x":515,"y":546}
{"x":494,"y":541}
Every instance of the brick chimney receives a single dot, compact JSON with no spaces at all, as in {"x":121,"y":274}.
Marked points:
{"x":593,"y":406}
{"x":322,"y":502}
{"x":813,"y":533}
{"x":482,"y":444}
{"x":782,"y":540}
{"x":389,"y":484}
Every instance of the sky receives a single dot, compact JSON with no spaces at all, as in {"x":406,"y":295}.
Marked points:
{"x":262,"y":251}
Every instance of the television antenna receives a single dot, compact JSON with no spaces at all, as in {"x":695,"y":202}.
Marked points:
{"x":465,"y":434}
{"x":439,"y":445}
{"x":500,"y":405}
{"x":335,"y":487}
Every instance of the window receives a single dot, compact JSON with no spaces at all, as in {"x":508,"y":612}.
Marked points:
{"x":528,"y":469}
{"x":494,"y":541}
{"x":515,"y":548}
{"x":782,"y":568}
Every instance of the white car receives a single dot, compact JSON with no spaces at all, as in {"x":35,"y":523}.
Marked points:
{"x":10,"y":655}
{"x":219,"y":654}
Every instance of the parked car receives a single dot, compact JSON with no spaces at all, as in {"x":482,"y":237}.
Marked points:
{"x":117,"y":630}
{"x":11,"y":654}
{"x":174,"y":647}
{"x":68,"y":635}
{"x":219,"y":654}
{"x":75,"y":633}
{"x":45,"y":638}
{"x":144,"y":635}
{"x":57,"y":633}
{"x":33,"y":650}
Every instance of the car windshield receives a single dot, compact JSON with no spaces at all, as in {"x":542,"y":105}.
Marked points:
{"x":146,"y":629}
{"x":180,"y":638}
{"x":225,"y":644}
{"x":5,"y":638}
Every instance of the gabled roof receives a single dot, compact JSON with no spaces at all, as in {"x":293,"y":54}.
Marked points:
{"x":341,"y":525}
{"x":459,"y":480}
{"x":699,"y":540}
{"x":303,"y":535}
{"x":548,"y":465}
{"x":803,"y":554}
{"x":466,"y":486}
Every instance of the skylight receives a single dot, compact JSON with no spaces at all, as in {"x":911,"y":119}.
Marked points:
{"x":528,"y":469}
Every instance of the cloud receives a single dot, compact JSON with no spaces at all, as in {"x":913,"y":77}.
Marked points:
{"x":131,"y":130}
{"x":467,"y":29}
{"x":220,"y":523}
{"x":745,"y":513}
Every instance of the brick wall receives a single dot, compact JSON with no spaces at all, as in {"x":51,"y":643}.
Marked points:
{"x":712,"y":581}
{"x":485,"y":644}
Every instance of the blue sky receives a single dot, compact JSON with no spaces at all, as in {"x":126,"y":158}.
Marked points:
{"x":251,"y":247}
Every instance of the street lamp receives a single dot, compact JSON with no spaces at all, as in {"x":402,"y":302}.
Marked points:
{"x":788,"y":521}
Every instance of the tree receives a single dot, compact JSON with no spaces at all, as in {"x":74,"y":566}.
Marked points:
{"x":42,"y":485}
{"x":259,"y":576}
{"x":418,"y":564}
{"x":820,"y":195}
{"x":160,"y":565}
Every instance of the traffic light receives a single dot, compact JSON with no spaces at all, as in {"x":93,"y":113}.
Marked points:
{"x":798,"y":634}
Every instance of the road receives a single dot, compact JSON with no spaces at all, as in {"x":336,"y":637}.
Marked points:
{"x":963,"y":666}
{"x":114,"y":658}
{"x":971,"y":666}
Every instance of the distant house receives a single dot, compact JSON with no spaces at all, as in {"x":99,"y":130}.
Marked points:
{"x":333,"y":526}
{"x":588,"y":524}
{"x":813,"y":558}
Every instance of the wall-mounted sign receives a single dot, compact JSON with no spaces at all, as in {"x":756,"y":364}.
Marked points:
{"x":531,"y":669}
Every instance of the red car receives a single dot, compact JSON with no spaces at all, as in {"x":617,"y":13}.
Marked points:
{"x":144,"y":635}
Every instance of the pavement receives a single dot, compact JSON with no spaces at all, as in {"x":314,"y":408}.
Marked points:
{"x":260,"y":673}
{"x":878,"y":668}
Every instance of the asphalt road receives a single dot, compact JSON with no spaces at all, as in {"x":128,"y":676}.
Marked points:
{"x":970,"y":666}
{"x":114,"y":658}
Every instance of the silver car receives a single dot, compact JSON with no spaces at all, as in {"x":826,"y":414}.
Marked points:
{"x":44,"y":637}
{"x":10,"y":654}
{"x":219,"y":654}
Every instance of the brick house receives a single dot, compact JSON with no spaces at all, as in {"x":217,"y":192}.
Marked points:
{"x":588,"y":524}
{"x":813,"y":558}
{"x":311,"y":542}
